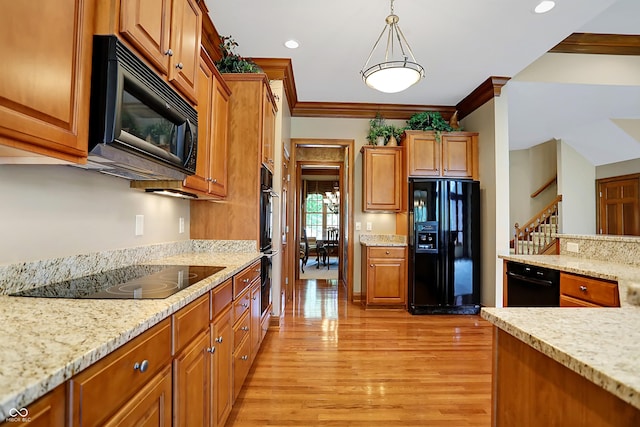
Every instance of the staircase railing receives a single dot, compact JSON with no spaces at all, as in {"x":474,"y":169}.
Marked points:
{"x":539,"y":233}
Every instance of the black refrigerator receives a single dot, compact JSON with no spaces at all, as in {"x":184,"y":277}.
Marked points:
{"x":444,"y":246}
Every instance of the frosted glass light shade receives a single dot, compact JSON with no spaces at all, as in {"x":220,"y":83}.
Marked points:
{"x":393,"y":77}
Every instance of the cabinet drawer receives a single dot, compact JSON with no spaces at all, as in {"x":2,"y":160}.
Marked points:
{"x":240,"y":330}
{"x":189,"y":321}
{"x":103,"y":388}
{"x":386,"y":252}
{"x":241,"y":305}
{"x":591,"y":290}
{"x":567,"y":301}
{"x":242,"y":280}
{"x":221,"y":296}
{"x":241,"y":365}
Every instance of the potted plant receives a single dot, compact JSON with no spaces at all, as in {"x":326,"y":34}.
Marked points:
{"x":378,"y":131}
{"x":231,"y":62}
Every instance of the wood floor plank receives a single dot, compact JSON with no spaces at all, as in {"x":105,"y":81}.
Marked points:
{"x":331,"y":363}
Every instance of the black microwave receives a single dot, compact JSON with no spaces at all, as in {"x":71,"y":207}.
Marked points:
{"x":140,"y":128}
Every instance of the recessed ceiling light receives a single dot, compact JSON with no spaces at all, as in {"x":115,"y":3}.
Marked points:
{"x":544,"y":6}
{"x":292,"y":44}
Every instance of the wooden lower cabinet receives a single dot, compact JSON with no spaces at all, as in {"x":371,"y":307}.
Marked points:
{"x":192,"y":384}
{"x":581,"y":291}
{"x":531,"y":389}
{"x":384,"y":276}
{"x":101,"y":391}
{"x":256,"y":324}
{"x":241,"y":365}
{"x":151,"y":406}
{"x":222,"y":386}
{"x":48,"y":411}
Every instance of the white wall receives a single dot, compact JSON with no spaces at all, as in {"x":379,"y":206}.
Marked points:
{"x":576,"y":183}
{"x":491,"y":121}
{"x":355,"y":129}
{"x":55,"y":211}
{"x":618,"y":169}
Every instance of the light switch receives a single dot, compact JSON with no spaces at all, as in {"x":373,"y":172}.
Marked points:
{"x":358,"y":226}
{"x":181,"y":225}
{"x":369,"y":226}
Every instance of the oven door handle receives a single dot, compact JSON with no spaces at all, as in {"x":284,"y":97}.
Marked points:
{"x":533,"y":281}
{"x":272,"y":254}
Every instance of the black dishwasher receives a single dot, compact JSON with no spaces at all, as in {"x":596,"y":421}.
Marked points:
{"x":531,"y":286}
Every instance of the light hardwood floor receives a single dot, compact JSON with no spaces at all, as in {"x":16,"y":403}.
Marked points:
{"x":332,"y":363}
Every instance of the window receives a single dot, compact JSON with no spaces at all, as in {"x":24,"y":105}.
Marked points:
{"x":314,"y":215}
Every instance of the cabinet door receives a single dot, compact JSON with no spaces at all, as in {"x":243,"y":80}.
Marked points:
{"x":192,"y":384}
{"x":45,"y":78}
{"x":268,"y":131}
{"x":222,"y":341}
{"x":145,"y":24}
{"x":218,"y":155}
{"x":423,"y":155}
{"x":186,"y":23}
{"x":151,"y":406}
{"x":386,"y":281}
{"x":256,"y":315}
{"x":457,"y":156}
{"x":200,"y":180}
{"x":382,"y":179}
{"x":47,"y":411}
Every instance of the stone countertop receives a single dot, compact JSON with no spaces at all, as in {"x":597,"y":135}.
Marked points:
{"x":627,"y":276}
{"x":600,"y":344}
{"x":46,"y":341}
{"x":383,"y":240}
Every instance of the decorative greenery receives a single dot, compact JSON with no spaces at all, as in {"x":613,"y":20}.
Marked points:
{"x":429,"y":120}
{"x":379,"y":127}
{"x":231,"y":62}
{"x":160,"y":128}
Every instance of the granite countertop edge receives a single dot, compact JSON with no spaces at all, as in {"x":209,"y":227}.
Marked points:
{"x":383,"y":240}
{"x":21,"y":385}
{"x":607,"y":376}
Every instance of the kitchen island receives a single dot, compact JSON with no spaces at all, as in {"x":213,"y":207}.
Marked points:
{"x":49,"y":340}
{"x":566,"y":366}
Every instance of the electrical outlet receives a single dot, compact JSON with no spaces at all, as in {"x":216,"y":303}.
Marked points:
{"x":181,"y":225}
{"x":139,"y":225}
{"x":369,"y":226}
{"x":573,"y":247}
{"x":358,"y":226}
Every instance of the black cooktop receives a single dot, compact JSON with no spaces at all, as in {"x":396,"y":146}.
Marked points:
{"x":132,"y":282}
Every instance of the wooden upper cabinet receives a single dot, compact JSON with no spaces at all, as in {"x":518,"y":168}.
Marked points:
{"x":268,"y":131}
{"x":145,"y":24}
{"x":455,"y":155}
{"x":45,"y":78}
{"x":165,"y":33}
{"x":220,"y":123}
{"x":186,"y":25}
{"x":382,"y":178}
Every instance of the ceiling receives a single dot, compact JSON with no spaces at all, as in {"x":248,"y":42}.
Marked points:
{"x":460,"y":44}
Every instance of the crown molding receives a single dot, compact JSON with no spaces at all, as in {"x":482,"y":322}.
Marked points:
{"x":490,"y":88}
{"x":355,"y":110}
{"x":604,"y":44}
{"x":281,"y":69}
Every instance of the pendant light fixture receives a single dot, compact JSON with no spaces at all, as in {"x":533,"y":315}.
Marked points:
{"x":399,"y":69}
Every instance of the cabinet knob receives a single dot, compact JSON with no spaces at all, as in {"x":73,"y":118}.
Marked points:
{"x":370,"y":265}
{"x":168,"y":52}
{"x":245,"y":305}
{"x":245,"y":280}
{"x":445,"y":169}
{"x":387,"y":252}
{"x":583,"y":288}
{"x":219,"y":339}
{"x":254,"y":298}
{"x":211,"y":350}
{"x":245,"y":357}
{"x":245,"y":328}
{"x":214,"y":180}
{"x":179,"y":66}
{"x":142,"y":366}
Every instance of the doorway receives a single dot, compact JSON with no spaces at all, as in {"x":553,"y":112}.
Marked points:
{"x":336,"y":159}
{"x":619,"y":205}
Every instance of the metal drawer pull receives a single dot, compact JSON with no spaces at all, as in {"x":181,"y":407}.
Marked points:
{"x":245,"y":280}
{"x":169,"y":52}
{"x":245,"y":328}
{"x":179,"y":66}
{"x":245,"y":357}
{"x":142,"y":367}
{"x":219,"y":339}
{"x":387,"y":252}
{"x":245,"y":305}
{"x":211,"y":350}
{"x":583,"y":288}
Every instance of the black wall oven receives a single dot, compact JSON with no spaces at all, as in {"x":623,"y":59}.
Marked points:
{"x":266,"y":229}
{"x":139,"y":125}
